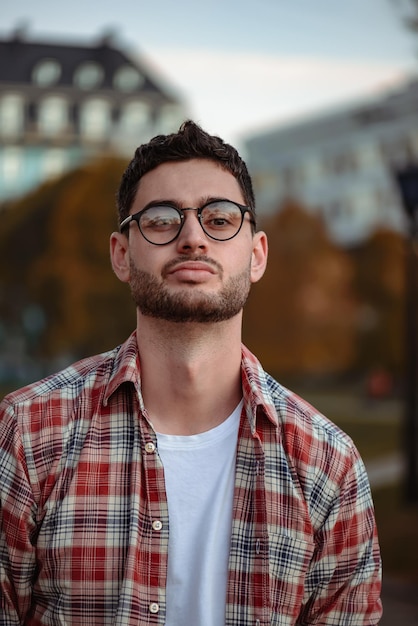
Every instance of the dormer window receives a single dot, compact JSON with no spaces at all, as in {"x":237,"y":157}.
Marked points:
{"x":46,"y":73}
{"x":127,"y":79}
{"x":89,"y":75}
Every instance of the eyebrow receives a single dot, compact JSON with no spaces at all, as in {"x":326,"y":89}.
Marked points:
{"x":180,"y":205}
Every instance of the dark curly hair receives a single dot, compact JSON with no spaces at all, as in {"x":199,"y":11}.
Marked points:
{"x":190,"y":142}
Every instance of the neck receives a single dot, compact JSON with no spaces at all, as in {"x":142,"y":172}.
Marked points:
{"x":190,"y":373}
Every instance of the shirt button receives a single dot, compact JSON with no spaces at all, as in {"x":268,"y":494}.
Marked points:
{"x":157,"y":525}
{"x":153,"y":607}
{"x":149,"y":447}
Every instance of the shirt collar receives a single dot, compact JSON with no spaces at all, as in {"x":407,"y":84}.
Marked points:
{"x":126,"y":368}
{"x":257,"y":396}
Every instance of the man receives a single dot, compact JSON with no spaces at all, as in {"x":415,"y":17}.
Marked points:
{"x":171,"y":480}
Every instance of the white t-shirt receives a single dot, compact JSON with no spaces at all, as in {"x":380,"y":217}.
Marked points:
{"x":199,"y":476}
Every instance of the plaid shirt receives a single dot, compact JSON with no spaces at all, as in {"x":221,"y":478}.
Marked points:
{"x":84,"y":518}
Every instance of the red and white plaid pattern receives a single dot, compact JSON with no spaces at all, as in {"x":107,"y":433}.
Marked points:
{"x":81,"y":484}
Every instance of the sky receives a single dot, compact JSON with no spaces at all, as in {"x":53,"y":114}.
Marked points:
{"x":243,"y":66}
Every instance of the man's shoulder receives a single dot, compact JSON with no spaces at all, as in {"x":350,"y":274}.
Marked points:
{"x":71,"y":380}
{"x":301,"y":422}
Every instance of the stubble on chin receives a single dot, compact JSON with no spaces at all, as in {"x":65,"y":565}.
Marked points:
{"x":191,"y":304}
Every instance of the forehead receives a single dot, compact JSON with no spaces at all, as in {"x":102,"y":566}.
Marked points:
{"x":188,"y":183}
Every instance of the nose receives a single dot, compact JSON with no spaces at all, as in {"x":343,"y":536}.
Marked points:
{"x":191,"y":236}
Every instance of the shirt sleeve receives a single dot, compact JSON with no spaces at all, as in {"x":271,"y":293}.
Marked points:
{"x":344,"y":579}
{"x":17,"y":523}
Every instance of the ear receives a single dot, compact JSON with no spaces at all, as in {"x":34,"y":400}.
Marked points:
{"x":259,"y":256}
{"x":119,"y":256}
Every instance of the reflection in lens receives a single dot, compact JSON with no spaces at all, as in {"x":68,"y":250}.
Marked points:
{"x":221,"y":220}
{"x":160,"y":224}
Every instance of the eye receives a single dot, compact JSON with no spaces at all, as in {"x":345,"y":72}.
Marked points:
{"x":217,"y":219}
{"x":160,"y":218}
{"x":222,"y":220}
{"x":221,"y":215}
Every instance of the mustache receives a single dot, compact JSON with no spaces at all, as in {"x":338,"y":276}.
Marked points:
{"x":196,"y":257}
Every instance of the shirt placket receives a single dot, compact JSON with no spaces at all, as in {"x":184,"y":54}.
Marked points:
{"x":261,"y":558}
{"x":249,"y":565}
{"x":158,"y":525}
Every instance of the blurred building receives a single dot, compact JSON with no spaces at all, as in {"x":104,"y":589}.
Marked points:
{"x":62,"y":103}
{"x":340,"y":163}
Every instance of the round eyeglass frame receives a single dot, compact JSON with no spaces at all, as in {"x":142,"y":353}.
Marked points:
{"x":136,"y":217}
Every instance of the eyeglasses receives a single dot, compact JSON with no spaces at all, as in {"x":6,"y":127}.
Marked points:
{"x":161,"y":223}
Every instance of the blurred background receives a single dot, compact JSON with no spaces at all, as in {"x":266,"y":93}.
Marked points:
{"x":321,"y":99}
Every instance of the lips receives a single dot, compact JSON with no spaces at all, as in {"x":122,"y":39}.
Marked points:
{"x":192,"y":266}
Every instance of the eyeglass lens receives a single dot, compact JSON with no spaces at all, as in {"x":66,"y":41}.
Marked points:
{"x":219,"y":220}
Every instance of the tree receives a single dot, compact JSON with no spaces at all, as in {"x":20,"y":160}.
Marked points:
{"x":300,"y":316}
{"x":379,"y":281}
{"x":55,"y":255}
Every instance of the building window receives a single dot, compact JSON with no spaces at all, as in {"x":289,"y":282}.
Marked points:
{"x":414,"y":143}
{"x":89,"y":75}
{"x":95,"y":119}
{"x":365,"y":206}
{"x":343,"y":162}
{"x":339,"y":163}
{"x":313,"y":171}
{"x":288,"y":179}
{"x":396,"y":151}
{"x":12,"y":164}
{"x":11,"y":115}
{"x":338,"y":209}
{"x":46,"y":72}
{"x":369,"y":156}
{"x":54,"y":162}
{"x":127,"y":78}
{"x":170,"y":118}
{"x":135,"y":118}
{"x":53,"y":115}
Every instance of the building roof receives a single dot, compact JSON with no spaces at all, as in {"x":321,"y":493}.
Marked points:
{"x":20,"y":58}
{"x":387,"y":107}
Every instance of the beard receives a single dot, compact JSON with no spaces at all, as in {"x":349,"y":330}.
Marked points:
{"x":154,"y":299}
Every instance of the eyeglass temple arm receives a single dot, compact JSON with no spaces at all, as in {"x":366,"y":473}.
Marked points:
{"x":125,"y":222}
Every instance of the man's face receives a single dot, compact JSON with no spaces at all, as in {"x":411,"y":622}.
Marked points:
{"x":194,"y":278}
